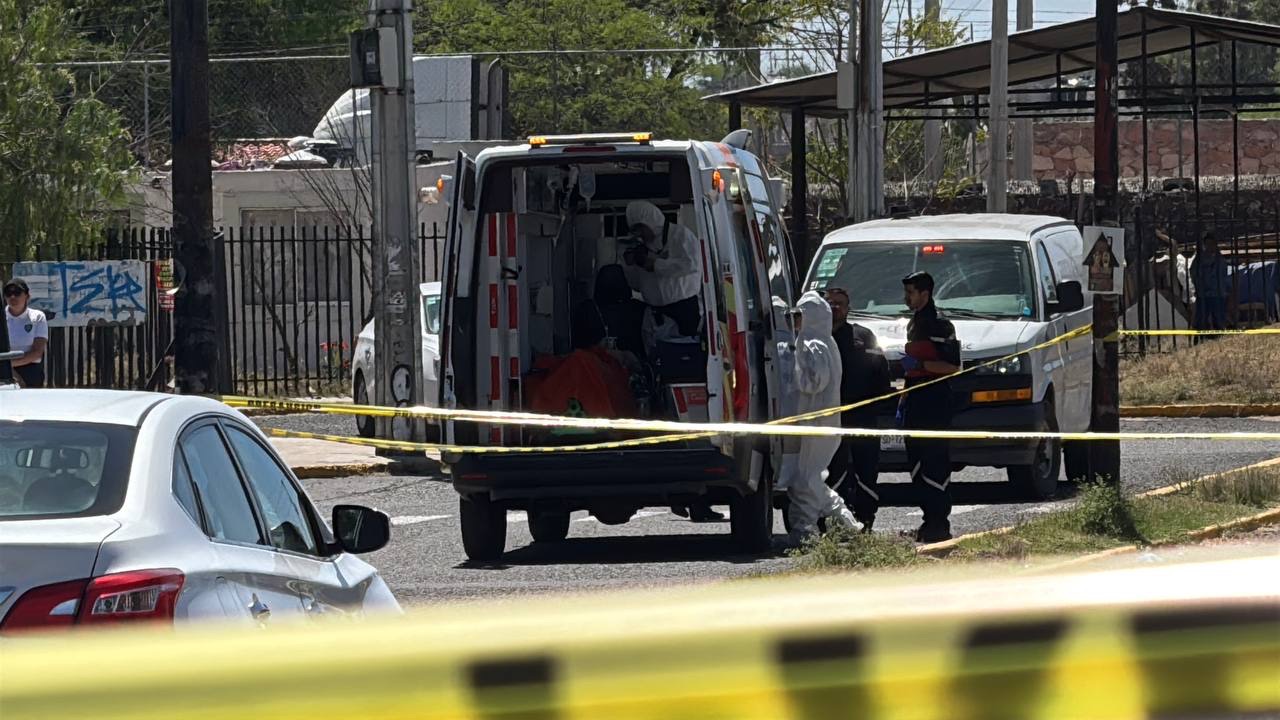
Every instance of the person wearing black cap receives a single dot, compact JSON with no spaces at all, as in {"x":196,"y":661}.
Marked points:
{"x":932,"y":352}
{"x":28,"y":333}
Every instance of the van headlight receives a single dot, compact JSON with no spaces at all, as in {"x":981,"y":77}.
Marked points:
{"x":1015,"y":365}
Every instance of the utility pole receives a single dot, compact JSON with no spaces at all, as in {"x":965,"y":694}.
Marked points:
{"x":395,"y":248}
{"x":998,"y":112}
{"x":933,"y":128}
{"x":1104,"y":456}
{"x":1024,"y":128}
{"x":870,"y":116}
{"x":200,"y":358}
{"x":849,"y":84}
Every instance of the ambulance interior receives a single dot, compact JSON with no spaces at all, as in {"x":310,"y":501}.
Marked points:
{"x":562,"y":329}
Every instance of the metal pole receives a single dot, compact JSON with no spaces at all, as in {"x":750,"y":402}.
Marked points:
{"x":1146,"y":173}
{"x":1195,"y":125}
{"x":1235,"y":131}
{"x":1024,"y":129}
{"x":735,"y":116}
{"x":146,"y":114}
{"x":869,"y":178}
{"x":799,"y":187}
{"x":198,"y":353}
{"x":933,"y":158}
{"x":1104,"y":457}
{"x":998,"y":112}
{"x":395,"y":249}
{"x":854,"y":191}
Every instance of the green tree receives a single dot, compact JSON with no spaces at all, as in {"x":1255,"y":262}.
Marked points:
{"x":604,"y":90}
{"x":62,"y":151}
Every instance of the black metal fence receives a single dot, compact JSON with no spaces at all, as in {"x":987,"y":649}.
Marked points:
{"x":297,"y":299}
{"x":1161,"y":288}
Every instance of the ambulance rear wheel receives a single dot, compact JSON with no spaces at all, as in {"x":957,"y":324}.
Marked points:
{"x":484,"y":528}
{"x":751,"y":516}
{"x":549,"y":526}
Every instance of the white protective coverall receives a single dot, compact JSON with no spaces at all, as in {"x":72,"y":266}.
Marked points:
{"x":817,"y":373}
{"x":676,"y":272}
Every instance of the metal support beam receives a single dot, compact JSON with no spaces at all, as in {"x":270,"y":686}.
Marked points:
{"x":200,"y":308}
{"x":1024,"y":130}
{"x":799,"y":188}
{"x":395,"y":246}
{"x":998,"y":114}
{"x":1104,"y":456}
{"x":869,"y":178}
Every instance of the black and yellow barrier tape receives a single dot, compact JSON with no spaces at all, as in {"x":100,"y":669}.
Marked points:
{"x":1184,"y":640}
{"x":769,"y":430}
{"x":700,"y":430}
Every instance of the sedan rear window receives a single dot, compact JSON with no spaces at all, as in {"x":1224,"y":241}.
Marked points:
{"x":58,"y":469}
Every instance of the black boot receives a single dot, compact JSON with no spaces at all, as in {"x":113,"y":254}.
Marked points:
{"x":701,"y":512}
{"x":934,"y":532}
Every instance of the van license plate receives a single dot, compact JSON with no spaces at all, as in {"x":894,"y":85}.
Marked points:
{"x":892,"y":443}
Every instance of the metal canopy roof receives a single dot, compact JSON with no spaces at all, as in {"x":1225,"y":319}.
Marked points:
{"x":1034,"y":55}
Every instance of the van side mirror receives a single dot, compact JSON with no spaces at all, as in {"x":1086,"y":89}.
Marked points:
{"x":1070,"y":298}
{"x":360,"y":529}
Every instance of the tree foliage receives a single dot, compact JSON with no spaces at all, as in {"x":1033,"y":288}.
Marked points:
{"x":62,"y":151}
{"x":583,"y":92}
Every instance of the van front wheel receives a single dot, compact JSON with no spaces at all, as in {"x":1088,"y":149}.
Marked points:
{"x":484,"y":528}
{"x":1039,"y":480}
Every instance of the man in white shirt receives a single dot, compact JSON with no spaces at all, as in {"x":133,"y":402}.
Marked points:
{"x":28,"y":334}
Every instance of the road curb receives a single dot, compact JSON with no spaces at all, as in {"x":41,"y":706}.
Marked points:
{"x":315,"y":472}
{"x":942,"y":549}
{"x":1212,"y":410}
{"x":1249,"y":522}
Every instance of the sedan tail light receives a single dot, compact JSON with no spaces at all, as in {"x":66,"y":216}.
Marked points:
{"x":122,"y":597}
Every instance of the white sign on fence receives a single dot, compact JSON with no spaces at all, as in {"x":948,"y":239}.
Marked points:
{"x":75,"y":293}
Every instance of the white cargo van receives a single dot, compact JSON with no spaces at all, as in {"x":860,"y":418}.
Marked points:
{"x":1008,"y":283}
{"x":531,"y":228}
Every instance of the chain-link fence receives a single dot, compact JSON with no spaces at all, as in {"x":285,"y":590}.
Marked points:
{"x":263,"y":97}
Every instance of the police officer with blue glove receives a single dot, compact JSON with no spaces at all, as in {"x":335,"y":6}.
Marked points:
{"x":932,"y":352}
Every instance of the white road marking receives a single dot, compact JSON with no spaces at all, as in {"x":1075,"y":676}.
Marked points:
{"x":640,"y":515}
{"x":954,"y":511}
{"x":415,"y":519}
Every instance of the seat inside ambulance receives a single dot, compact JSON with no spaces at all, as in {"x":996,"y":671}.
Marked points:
{"x":561,"y":327}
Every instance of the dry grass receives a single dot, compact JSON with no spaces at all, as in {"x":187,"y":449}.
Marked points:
{"x":1231,"y":369}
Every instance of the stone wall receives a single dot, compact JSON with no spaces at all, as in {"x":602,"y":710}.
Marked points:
{"x":1066,"y":148}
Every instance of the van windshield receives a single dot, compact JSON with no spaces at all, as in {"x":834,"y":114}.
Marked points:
{"x":985,"y":278}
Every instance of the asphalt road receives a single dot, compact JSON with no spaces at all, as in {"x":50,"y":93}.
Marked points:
{"x":424,"y":562}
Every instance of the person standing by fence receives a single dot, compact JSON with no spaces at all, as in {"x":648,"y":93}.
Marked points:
{"x":28,"y":334}
{"x":1213,"y":285}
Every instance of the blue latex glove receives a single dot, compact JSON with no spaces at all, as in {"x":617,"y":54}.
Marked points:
{"x":900,"y":419}
{"x":910,"y":364}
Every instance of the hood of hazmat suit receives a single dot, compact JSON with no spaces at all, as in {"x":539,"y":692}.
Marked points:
{"x":817,"y":382}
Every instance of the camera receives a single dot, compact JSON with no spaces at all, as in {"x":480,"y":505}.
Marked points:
{"x":636,"y":252}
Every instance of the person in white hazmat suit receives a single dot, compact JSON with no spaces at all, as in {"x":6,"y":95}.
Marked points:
{"x":664,"y":268}
{"x":817,"y":369}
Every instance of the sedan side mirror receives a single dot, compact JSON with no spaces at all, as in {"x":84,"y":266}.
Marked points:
{"x":1070,"y":298}
{"x":360,"y":529}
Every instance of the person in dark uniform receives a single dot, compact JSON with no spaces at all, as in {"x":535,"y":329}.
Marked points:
{"x":855,"y":469}
{"x":932,"y":352}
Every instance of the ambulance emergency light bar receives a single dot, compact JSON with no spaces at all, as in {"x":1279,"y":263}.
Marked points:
{"x":643,"y":138}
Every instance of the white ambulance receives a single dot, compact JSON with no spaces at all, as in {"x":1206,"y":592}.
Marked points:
{"x":532,"y":230}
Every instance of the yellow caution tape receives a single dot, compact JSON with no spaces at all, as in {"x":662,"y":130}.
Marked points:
{"x":1194,"y":640}
{"x":1194,"y":333}
{"x":775,"y":430}
{"x":701,"y":430}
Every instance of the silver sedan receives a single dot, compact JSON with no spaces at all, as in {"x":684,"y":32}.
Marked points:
{"x":128,"y":506}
